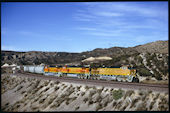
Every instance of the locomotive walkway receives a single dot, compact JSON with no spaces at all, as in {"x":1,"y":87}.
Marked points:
{"x":105,"y":83}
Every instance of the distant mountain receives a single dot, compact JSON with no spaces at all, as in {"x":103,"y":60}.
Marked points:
{"x":38,"y":57}
{"x":150,"y":59}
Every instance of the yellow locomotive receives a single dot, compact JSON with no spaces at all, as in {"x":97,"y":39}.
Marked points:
{"x":120,"y":74}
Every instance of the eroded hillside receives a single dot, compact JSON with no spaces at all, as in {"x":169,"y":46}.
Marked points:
{"x":38,"y":57}
{"x":26,"y":94}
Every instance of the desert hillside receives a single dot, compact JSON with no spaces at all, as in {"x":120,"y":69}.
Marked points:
{"x":27,"y":94}
{"x":38,"y":57}
{"x":153,"y":47}
{"x":150,"y":60}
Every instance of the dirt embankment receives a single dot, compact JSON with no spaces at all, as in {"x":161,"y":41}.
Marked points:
{"x":27,"y":94}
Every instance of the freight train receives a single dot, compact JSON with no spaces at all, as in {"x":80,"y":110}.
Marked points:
{"x":115,"y":73}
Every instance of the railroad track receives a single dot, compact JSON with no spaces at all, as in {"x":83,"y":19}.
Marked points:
{"x":105,"y":83}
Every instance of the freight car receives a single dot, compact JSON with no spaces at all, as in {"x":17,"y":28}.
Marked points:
{"x":119,"y":74}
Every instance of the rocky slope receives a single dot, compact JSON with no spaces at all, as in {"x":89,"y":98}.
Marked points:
{"x":153,"y":47}
{"x":38,"y":57}
{"x":26,"y":94}
{"x":150,"y":59}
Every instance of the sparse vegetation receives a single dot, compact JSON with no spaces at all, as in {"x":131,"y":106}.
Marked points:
{"x":117,"y":94}
{"x":82,"y":93}
{"x":38,"y":98}
{"x":77,"y":108}
{"x":99,"y":106}
{"x":128,"y":93}
{"x":85,"y":99}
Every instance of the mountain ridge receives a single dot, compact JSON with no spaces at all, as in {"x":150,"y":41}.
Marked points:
{"x":38,"y":57}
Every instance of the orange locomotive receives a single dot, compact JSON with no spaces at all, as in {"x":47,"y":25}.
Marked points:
{"x":119,"y":74}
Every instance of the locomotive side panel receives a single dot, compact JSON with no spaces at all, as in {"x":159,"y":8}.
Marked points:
{"x":113,"y":71}
{"x":53,"y":69}
{"x":76,"y":70}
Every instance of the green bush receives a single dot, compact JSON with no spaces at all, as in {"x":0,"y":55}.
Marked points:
{"x":144,"y":72}
{"x":140,"y":59}
{"x":117,"y":94}
{"x":158,"y":76}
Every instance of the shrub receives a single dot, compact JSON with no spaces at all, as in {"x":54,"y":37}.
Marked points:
{"x":144,"y":72}
{"x":99,"y":91}
{"x":57,"y":82}
{"x":90,"y":102}
{"x":105,"y":103}
{"x":128,"y":93}
{"x":51,"y":84}
{"x":82,"y":93}
{"x":46,"y":83}
{"x":42,"y":100}
{"x":114,"y":104}
{"x":50,"y":100}
{"x":158,"y":76}
{"x":20,"y":87}
{"x":23,"y":92}
{"x":92,"y":93}
{"x":77,"y":108}
{"x":112,"y":89}
{"x":94,"y":87}
{"x":141,"y":107}
{"x":106,"y":90}
{"x":78,"y":88}
{"x":87,"y":87}
{"x":46,"y":89}
{"x":98,"y":98}
{"x":151,"y":105}
{"x":150,"y":91}
{"x":64,"y":87}
{"x":56,"y":88}
{"x":85,"y":99}
{"x":67,"y":102}
{"x":74,"y":98}
{"x":99,"y":106}
{"x":156,"y":96}
{"x":133,"y":102}
{"x":117,"y":94}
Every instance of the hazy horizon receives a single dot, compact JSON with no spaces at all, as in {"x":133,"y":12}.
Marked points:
{"x":81,"y":26}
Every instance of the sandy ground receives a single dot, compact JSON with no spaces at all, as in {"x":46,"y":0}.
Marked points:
{"x":26,"y":94}
{"x":152,"y":80}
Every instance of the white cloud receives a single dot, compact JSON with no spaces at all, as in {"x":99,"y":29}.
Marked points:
{"x":108,"y":14}
{"x":126,"y":19}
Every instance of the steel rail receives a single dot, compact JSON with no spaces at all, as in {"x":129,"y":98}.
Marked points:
{"x":105,"y":82}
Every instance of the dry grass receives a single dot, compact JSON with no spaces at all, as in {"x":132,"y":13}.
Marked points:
{"x":36,"y":100}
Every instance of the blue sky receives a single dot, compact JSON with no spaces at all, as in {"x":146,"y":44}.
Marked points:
{"x":81,"y":26}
